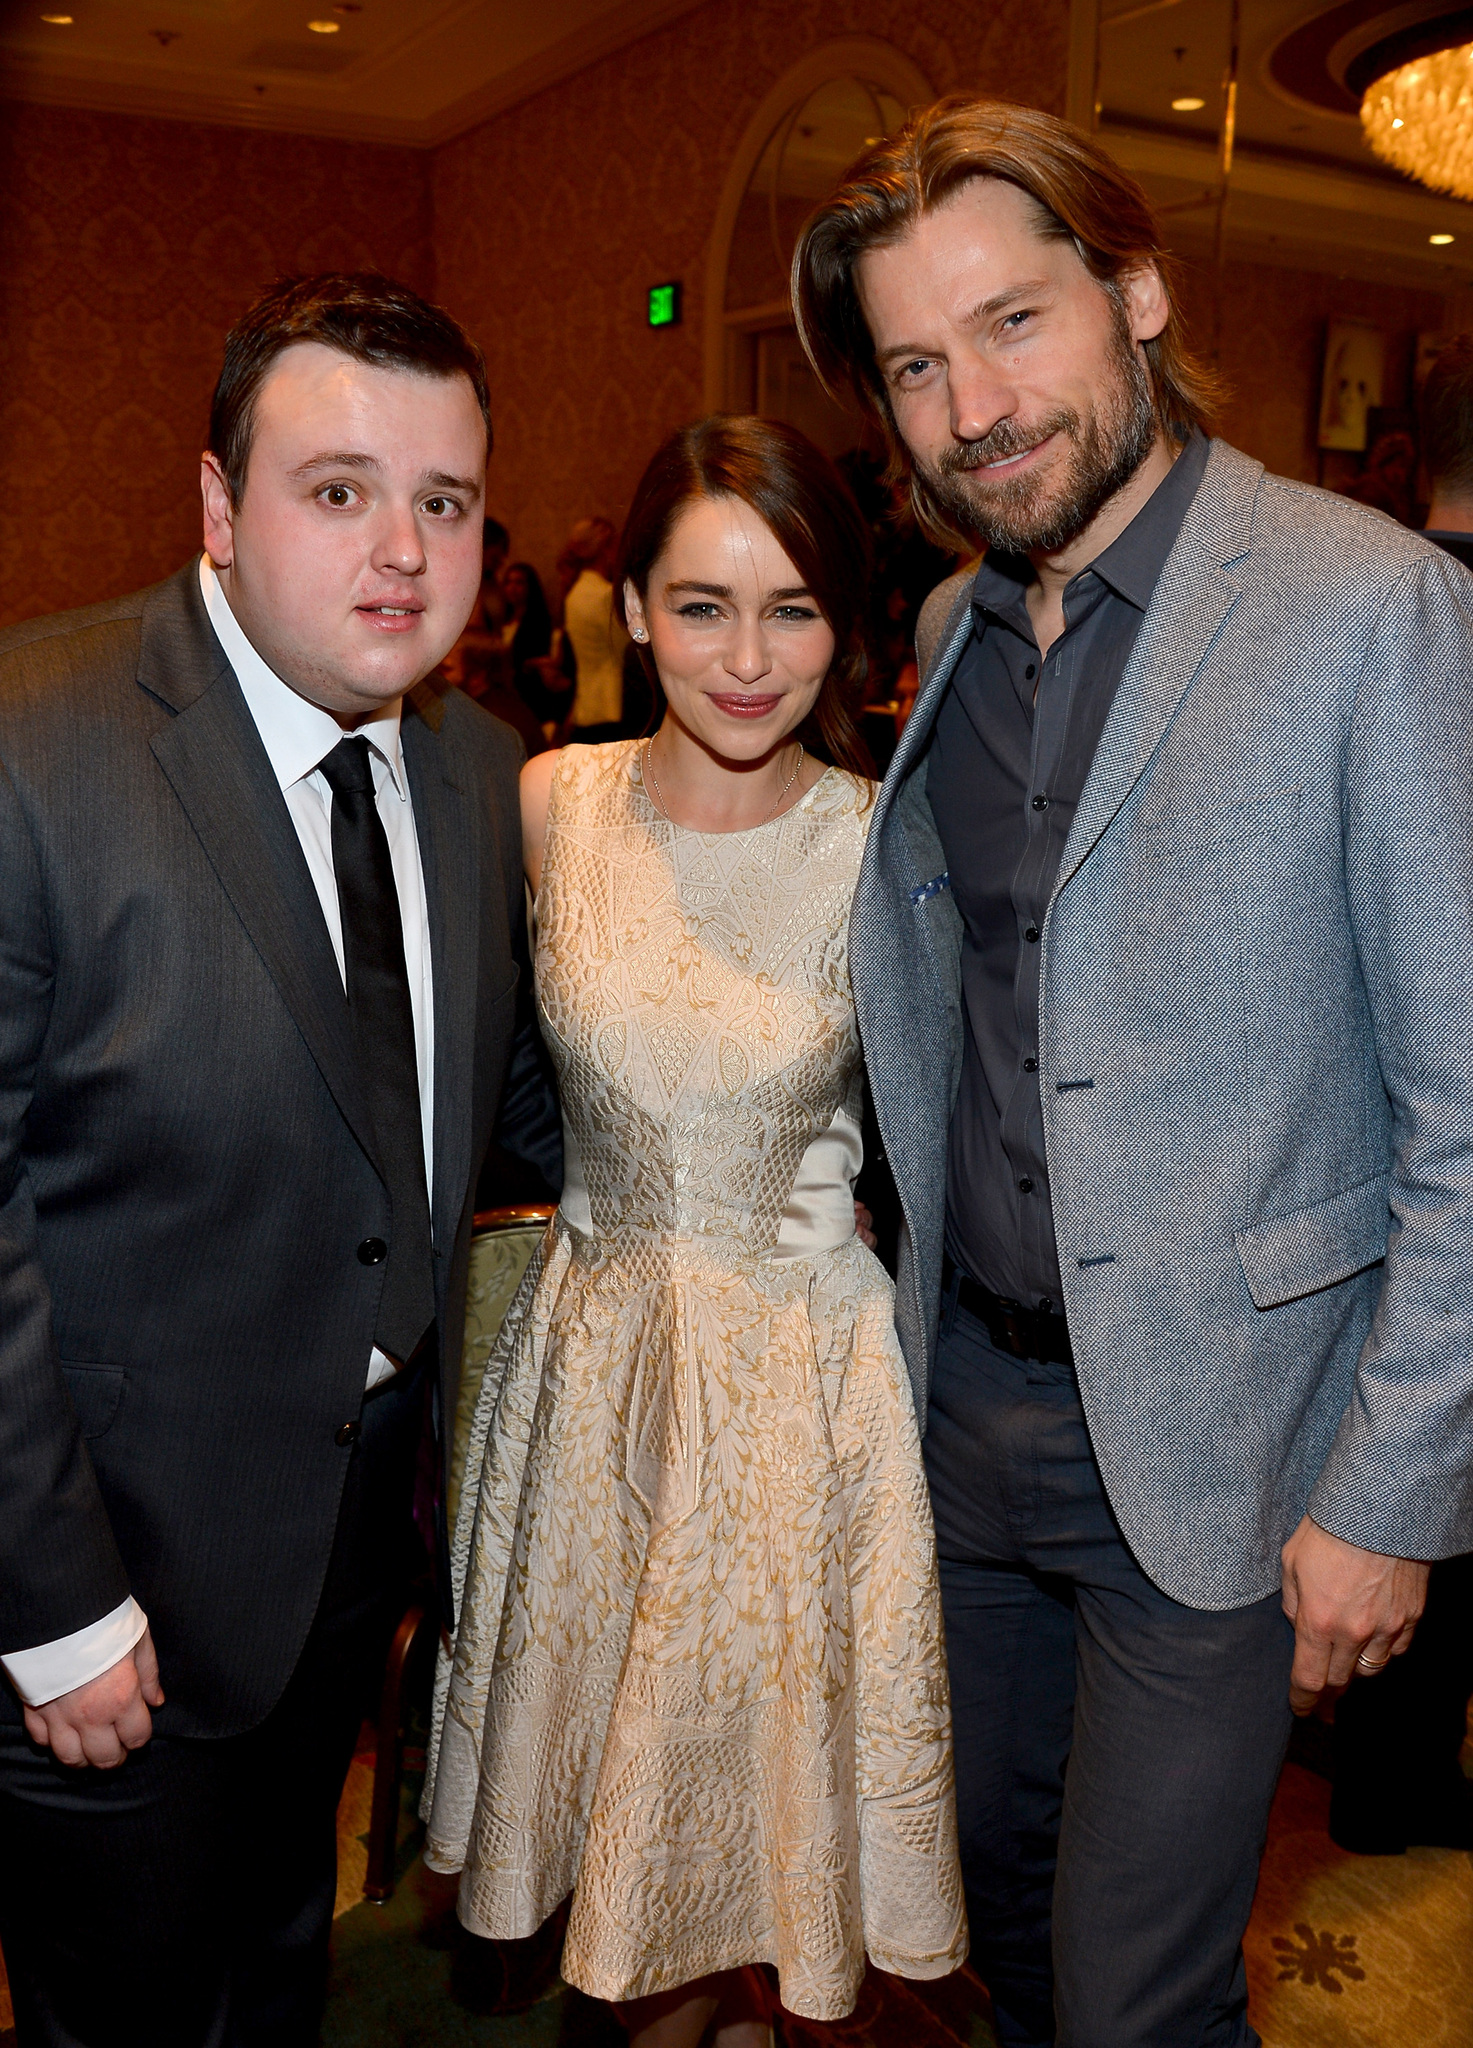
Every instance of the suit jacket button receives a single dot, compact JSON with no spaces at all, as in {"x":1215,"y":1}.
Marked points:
{"x":372,"y":1252}
{"x":347,"y":1434}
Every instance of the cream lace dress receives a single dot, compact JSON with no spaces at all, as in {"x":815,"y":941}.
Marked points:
{"x":698,"y":1680}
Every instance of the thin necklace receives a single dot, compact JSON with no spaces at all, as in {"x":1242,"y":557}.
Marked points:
{"x":649,"y":768}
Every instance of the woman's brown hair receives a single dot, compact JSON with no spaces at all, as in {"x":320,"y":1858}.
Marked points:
{"x":1081,"y":195}
{"x":799,"y":494}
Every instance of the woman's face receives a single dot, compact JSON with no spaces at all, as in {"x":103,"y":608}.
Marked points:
{"x":514,"y":588}
{"x":739,"y":641}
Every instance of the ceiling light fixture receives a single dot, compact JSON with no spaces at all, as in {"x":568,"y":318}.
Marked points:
{"x":324,"y":28}
{"x":1187,"y":106}
{"x":1416,"y":109}
{"x":1441,"y":241}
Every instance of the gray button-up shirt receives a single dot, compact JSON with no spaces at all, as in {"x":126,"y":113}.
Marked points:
{"x":1013,"y":744}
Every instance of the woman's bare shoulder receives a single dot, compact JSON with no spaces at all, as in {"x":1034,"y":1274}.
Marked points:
{"x":536,"y":786}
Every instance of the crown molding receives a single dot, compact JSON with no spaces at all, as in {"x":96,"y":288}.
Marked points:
{"x":330,"y":113}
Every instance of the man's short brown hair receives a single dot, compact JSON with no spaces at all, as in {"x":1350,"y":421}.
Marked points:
{"x":1447,"y":416}
{"x":361,"y":314}
{"x":1080,"y":194}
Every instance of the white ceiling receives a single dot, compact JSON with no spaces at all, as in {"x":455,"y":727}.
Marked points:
{"x":416,"y":74}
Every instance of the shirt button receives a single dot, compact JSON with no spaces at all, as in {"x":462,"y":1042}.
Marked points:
{"x":1031,"y":935}
{"x":1040,"y":802}
{"x":1030,"y":1066}
{"x":1025,"y":1186}
{"x":372,"y":1252}
{"x":349,"y":1433}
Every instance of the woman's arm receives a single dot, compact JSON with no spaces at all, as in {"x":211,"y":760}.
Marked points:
{"x":536,"y":796}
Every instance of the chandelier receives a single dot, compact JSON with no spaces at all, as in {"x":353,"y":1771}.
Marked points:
{"x":1417,"y":104}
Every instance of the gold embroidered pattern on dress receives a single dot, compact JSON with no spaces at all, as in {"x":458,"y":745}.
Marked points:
{"x":698,"y":1679}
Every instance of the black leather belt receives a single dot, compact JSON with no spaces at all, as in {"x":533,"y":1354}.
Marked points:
{"x":1025,"y":1332}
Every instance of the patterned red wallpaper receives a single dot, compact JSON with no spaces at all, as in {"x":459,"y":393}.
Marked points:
{"x":551,"y":220}
{"x":126,"y":248}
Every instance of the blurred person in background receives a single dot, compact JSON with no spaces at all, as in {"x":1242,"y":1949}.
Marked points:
{"x":527,"y":636}
{"x":1386,"y":483}
{"x":1447,"y":447}
{"x":596,"y":638}
{"x":490,"y":601}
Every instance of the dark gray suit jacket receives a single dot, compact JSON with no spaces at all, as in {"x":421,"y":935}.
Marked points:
{"x":186,"y":1162}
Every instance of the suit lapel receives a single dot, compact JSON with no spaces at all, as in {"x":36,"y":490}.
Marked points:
{"x":1192,"y":598}
{"x":447,"y":824}
{"x":215,"y":762}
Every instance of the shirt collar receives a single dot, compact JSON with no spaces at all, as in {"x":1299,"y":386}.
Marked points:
{"x":1133,"y":561}
{"x":297,"y":734}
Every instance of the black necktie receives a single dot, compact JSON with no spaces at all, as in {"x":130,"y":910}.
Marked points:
{"x":383,"y":1026}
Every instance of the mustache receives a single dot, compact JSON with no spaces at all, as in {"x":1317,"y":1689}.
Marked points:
{"x":1008,"y":437}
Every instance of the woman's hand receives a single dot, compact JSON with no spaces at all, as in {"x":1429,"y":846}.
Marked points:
{"x":864,"y":1226}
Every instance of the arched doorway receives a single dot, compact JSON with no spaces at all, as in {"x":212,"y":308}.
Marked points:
{"x":811,"y":125}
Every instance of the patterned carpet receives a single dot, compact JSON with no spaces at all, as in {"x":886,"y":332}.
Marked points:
{"x":1344,"y":1952}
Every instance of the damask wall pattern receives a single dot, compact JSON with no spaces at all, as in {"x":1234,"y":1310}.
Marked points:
{"x":127,"y":246}
{"x":553,"y":218}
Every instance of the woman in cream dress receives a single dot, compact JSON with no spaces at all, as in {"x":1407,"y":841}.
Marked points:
{"x":698,"y":1681}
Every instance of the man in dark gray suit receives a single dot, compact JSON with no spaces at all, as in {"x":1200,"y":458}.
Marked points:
{"x":263,"y":994}
{"x":1164,"y":944}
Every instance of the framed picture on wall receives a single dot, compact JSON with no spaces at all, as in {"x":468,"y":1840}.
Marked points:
{"x":1355,"y":364}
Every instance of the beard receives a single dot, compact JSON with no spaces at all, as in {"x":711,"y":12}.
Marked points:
{"x":1041,"y":513}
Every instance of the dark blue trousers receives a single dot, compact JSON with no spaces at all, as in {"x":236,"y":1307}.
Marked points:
{"x":1116,"y":1751}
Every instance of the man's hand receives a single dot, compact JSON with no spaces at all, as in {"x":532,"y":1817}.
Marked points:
{"x":864,"y":1226}
{"x":1353,"y":1611}
{"x":101,"y":1721}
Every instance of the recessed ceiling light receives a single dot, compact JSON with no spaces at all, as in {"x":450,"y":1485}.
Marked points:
{"x":1398,"y":122}
{"x":1441,"y":241}
{"x":1187,"y":106}
{"x":324,"y":28}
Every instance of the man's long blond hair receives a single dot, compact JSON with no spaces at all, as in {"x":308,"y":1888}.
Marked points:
{"x":1081,"y":195}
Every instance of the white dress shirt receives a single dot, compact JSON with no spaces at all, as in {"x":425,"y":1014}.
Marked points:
{"x":297,"y":735}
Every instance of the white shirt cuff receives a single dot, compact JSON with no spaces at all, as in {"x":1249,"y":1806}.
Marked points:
{"x":51,"y":1669}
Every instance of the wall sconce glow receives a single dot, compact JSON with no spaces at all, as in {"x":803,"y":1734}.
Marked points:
{"x":1187,"y":106}
{"x":58,"y":20}
{"x":664,"y":305}
{"x":324,"y":28}
{"x":1441,"y":241}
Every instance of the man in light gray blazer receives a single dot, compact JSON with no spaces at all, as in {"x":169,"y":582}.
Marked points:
{"x":1163,"y":954}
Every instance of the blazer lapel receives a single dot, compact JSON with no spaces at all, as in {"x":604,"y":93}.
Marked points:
{"x":1191,"y":600}
{"x":912,"y":742}
{"x":447,"y":822}
{"x":213,"y":757}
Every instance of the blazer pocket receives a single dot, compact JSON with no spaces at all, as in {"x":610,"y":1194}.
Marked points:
{"x":97,"y":1395}
{"x":1287,"y":1257}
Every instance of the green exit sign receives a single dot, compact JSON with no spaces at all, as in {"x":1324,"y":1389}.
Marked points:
{"x":664,"y":305}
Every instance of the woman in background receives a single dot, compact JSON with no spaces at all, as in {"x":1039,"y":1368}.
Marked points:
{"x":526,"y":637}
{"x":698,"y":1681}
